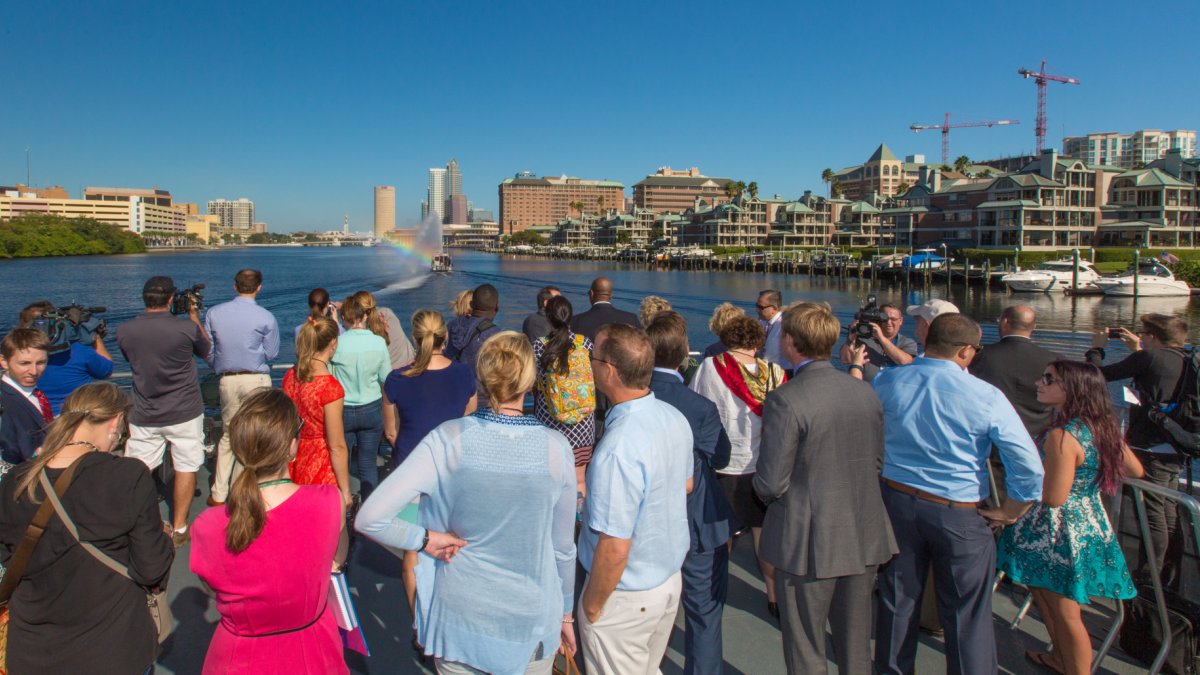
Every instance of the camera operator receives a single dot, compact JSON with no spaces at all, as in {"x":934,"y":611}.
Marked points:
{"x":1156,"y":366}
{"x":167,"y":406}
{"x":68,"y":369}
{"x":884,"y":349}
{"x":245,"y":339}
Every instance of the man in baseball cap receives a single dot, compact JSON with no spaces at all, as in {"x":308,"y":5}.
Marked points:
{"x":926,"y":313}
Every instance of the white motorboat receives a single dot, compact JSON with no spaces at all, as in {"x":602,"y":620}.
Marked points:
{"x":1154,"y":280}
{"x":441,"y":264}
{"x":1050,"y":275}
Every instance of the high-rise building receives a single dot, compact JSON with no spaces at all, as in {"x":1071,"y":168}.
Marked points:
{"x":527,"y":201}
{"x":453,"y":179}
{"x":456,"y":210}
{"x":1129,"y":150}
{"x":237,"y":216}
{"x":436,"y":194}
{"x":385,"y":210}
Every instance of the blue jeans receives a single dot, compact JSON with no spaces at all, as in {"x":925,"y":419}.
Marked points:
{"x":363,"y":426}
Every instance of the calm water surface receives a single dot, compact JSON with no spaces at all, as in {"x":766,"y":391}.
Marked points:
{"x":401,"y":283}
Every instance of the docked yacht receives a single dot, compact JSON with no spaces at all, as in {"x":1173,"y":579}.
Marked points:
{"x":1154,"y":280}
{"x":1050,"y":275}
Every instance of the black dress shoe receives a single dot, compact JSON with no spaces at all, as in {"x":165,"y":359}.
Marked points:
{"x":773,"y":610}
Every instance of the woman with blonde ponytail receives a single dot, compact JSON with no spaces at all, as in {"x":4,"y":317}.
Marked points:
{"x":267,"y":553}
{"x":361,"y":364}
{"x":322,"y":458}
{"x":419,"y":397}
{"x":80,"y":616}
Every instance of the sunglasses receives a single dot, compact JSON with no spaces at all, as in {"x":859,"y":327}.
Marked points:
{"x":1048,"y":379}
{"x":762,"y":307}
{"x":977,"y":348}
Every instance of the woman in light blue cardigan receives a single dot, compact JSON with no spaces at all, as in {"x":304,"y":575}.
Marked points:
{"x":497,"y":493}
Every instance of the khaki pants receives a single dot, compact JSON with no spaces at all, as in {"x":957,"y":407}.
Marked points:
{"x":630,"y":638}
{"x":234,"y":388}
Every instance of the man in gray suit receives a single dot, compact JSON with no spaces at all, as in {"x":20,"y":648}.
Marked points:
{"x":826,"y":530}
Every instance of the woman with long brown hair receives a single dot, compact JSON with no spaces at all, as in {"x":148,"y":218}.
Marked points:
{"x":1064,"y":548}
{"x":319,"y":306}
{"x":322,"y":457}
{"x":80,"y":616}
{"x":268,"y":553}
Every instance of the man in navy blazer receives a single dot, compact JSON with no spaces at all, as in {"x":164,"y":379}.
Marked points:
{"x":26,"y":410}
{"x":710,"y":518}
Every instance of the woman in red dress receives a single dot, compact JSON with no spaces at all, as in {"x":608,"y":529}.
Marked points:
{"x":322,"y":457}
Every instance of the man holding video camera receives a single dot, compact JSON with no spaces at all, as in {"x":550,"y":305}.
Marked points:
{"x":75,"y":360}
{"x":167,"y":406}
{"x":885,"y":346}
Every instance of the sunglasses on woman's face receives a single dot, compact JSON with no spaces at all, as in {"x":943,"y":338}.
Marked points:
{"x":1048,"y":379}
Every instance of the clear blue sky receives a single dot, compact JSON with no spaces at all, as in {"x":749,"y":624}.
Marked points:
{"x":305,"y":106}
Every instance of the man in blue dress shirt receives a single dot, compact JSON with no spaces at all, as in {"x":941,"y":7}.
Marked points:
{"x":940,"y":423}
{"x":245,"y":338}
{"x":635,"y":525}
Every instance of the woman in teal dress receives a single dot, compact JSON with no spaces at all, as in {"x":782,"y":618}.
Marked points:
{"x":1064,"y":548}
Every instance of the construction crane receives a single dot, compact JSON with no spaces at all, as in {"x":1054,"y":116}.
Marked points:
{"x":1042,"y":77}
{"x":945,"y":128}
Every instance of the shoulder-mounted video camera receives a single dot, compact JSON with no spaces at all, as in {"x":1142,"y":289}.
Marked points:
{"x":869,"y":314}
{"x":70,"y":324}
{"x":185,"y":300}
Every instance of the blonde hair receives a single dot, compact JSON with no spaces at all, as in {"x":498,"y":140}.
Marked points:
{"x":722,"y":315}
{"x":315,"y":337}
{"x":95,"y":403}
{"x":261,"y":434}
{"x":429,"y":333}
{"x":461,"y":304}
{"x":361,"y":306}
{"x":652,"y":305}
{"x":813,"y":328}
{"x":505,"y":366}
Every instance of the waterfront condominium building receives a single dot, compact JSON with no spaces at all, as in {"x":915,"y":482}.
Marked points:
{"x":1127,"y":151}
{"x":527,"y":201}
{"x":742,"y":222}
{"x":882,"y":174}
{"x":385,"y":210}
{"x":671,"y":191}
{"x":237,"y":215}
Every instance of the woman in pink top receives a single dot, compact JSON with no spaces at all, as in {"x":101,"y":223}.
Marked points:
{"x":268,"y":553}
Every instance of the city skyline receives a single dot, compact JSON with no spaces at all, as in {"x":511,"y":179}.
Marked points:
{"x":334,"y":103}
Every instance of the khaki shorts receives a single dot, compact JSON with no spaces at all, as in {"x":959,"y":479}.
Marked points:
{"x":186,"y":439}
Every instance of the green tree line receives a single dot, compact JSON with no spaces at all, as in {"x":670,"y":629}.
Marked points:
{"x":40,"y":235}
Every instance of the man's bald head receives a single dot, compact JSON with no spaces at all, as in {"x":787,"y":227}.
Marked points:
{"x":1018,"y":320}
{"x":601,"y":289}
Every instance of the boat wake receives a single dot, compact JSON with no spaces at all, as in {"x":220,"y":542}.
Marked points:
{"x":407,"y":284}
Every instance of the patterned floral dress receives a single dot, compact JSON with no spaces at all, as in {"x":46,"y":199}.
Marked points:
{"x":313,"y":465}
{"x":1070,"y":549}
{"x":581,"y":435}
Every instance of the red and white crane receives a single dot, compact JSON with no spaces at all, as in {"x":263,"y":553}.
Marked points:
{"x":945,"y":128}
{"x":1041,"y":77}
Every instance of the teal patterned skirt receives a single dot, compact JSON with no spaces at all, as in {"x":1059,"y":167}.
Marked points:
{"x":1070,"y":550}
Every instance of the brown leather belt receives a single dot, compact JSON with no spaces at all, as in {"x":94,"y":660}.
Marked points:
{"x":921,"y":494}
{"x":241,"y":372}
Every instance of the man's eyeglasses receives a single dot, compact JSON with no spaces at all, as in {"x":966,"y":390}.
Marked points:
{"x":1048,"y":379}
{"x":977,"y":348}
{"x":596,"y":358}
{"x":763,"y":307}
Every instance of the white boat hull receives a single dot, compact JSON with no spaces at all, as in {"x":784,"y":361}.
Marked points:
{"x":1021,"y":283}
{"x":1151,"y":287}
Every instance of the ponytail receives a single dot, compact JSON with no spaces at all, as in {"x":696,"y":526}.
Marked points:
{"x":429,"y":333}
{"x":261,"y":434}
{"x":318,"y":302}
{"x":315,"y":337}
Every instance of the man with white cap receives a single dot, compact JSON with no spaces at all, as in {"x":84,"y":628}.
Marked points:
{"x":856,"y":357}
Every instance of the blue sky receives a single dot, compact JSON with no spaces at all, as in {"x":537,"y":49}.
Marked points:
{"x":305,"y":106}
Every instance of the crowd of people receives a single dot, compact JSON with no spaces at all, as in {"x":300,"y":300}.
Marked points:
{"x":568,"y":487}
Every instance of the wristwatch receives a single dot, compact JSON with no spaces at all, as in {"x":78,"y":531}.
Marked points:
{"x":425,"y":541}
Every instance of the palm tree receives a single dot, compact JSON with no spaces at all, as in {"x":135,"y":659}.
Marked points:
{"x":600,"y":204}
{"x":901,"y":189}
{"x":752,"y":188}
{"x":731,"y":189}
{"x":986,"y":173}
{"x":961,"y":164}
{"x":836,"y":189}
{"x":578,"y":206}
{"x":827,"y":176}
{"x":741,"y":188}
